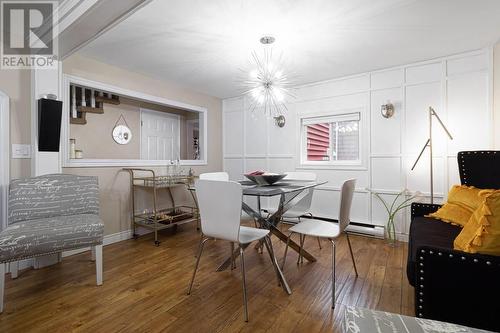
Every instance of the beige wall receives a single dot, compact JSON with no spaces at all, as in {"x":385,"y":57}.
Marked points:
{"x":16,"y":84}
{"x":114,"y":183}
{"x":95,"y":140}
{"x":496,"y":94}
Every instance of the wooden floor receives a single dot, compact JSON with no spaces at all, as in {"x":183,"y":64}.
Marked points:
{"x":145,"y":286}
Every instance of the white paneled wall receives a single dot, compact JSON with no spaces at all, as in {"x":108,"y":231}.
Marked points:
{"x":457,"y":87}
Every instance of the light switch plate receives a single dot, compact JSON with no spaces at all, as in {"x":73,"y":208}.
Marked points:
{"x":21,"y":151}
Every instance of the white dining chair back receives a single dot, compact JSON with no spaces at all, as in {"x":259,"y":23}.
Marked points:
{"x":346,"y":195}
{"x":220,"y":208}
{"x":302,"y":207}
{"x":221,"y":176}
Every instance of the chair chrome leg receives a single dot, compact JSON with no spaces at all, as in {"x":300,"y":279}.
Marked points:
{"x":286,"y":251}
{"x":201,"y":240}
{"x":319,"y":243}
{"x":281,"y":278}
{"x":333,"y":274}
{"x":300,"y":259}
{"x":233,"y":265}
{"x":243,"y":278}
{"x":200,"y":250}
{"x":352,"y":256}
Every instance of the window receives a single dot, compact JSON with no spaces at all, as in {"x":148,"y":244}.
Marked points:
{"x":331,"y":139}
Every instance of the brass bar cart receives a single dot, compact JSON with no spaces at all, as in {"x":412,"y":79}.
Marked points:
{"x":157,"y":219}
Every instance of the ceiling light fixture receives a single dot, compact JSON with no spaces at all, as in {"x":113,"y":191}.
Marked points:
{"x":267,"y":85}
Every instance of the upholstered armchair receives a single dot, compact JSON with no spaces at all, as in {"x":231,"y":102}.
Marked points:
{"x":50,"y":214}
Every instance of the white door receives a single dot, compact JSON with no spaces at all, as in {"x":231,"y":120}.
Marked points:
{"x":159,"y":135}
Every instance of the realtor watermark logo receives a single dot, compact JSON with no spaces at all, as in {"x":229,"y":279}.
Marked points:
{"x":28,"y":33}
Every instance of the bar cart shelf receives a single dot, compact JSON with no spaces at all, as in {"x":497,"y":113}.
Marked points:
{"x":157,"y":219}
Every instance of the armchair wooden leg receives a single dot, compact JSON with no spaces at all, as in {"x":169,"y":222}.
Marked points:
{"x":92,"y":253}
{"x":98,"y":263}
{"x":2,"y":285}
{"x":14,"y":269}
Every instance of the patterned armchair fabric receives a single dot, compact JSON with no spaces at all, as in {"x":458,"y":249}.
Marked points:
{"x":50,"y":214}
{"x":52,"y":195}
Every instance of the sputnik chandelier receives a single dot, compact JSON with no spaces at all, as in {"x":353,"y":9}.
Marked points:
{"x":267,"y":85}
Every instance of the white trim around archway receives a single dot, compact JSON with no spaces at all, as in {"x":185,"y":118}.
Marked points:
{"x":4,"y":157}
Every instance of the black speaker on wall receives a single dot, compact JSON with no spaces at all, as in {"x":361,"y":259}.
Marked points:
{"x":49,"y":124}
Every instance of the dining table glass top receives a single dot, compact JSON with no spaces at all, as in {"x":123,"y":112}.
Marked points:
{"x":281,"y":187}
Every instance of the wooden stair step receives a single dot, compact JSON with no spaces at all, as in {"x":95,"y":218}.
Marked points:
{"x":108,"y":100}
{"x":78,"y":121}
{"x":88,"y":109}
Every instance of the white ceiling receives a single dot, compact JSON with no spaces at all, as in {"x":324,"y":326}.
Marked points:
{"x":204,"y":44}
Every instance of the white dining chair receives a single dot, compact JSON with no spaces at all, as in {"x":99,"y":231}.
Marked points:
{"x":294,"y":214}
{"x":222,"y":176}
{"x":304,"y":205}
{"x":329,"y":230}
{"x":220,"y":207}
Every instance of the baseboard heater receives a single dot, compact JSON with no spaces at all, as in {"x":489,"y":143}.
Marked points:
{"x":358,"y":228}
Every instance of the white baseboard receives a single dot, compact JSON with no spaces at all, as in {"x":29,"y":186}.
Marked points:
{"x":107,"y":240}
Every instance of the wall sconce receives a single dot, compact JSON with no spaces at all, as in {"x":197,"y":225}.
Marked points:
{"x":280,"y":120}
{"x":387,"y":110}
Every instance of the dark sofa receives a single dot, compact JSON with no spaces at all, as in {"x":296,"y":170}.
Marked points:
{"x":455,"y":286}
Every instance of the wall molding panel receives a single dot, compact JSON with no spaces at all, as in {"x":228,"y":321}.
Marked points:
{"x":458,"y":87}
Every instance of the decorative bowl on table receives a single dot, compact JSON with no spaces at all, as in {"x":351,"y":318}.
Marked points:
{"x":263,"y":178}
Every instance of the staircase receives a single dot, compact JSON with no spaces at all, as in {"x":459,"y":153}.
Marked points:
{"x":87,"y":100}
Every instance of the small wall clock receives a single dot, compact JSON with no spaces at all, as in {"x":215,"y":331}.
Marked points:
{"x":122,"y":134}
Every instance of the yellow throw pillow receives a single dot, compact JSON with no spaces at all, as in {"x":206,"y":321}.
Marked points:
{"x":461,"y":203}
{"x":482,"y":233}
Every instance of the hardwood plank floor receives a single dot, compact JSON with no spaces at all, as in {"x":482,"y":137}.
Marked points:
{"x":145,"y":287}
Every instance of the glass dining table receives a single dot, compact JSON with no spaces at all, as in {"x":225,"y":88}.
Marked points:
{"x":290,"y":192}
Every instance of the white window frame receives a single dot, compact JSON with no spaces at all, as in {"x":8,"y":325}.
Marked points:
{"x":305,"y":120}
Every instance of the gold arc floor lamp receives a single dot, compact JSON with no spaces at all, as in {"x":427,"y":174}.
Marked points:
{"x":432,"y":112}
